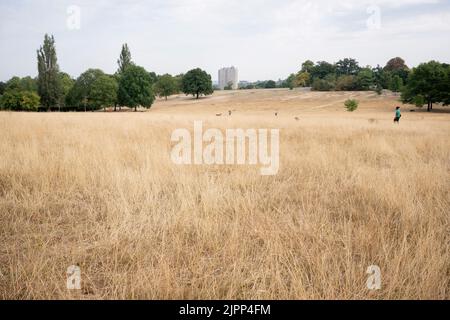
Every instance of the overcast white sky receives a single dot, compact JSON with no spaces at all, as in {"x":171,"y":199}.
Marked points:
{"x":263,"y":39}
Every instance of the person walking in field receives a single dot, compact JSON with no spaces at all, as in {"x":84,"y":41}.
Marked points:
{"x":398,"y":115}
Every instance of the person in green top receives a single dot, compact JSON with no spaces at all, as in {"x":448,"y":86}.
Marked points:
{"x":398,"y":115}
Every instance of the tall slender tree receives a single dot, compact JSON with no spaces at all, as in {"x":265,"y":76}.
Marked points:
{"x":124,"y":62}
{"x":48,"y":78}
{"x":124,"y":59}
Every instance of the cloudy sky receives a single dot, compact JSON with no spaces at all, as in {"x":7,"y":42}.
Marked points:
{"x":265,"y":39}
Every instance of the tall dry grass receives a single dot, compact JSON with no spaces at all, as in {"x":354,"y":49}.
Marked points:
{"x":100,"y":191}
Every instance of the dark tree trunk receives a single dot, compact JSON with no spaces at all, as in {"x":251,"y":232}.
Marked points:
{"x":429,"y":106}
{"x":197,"y":95}
{"x":135,"y":109}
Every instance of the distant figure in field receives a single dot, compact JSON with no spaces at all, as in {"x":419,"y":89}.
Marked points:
{"x":398,"y":115}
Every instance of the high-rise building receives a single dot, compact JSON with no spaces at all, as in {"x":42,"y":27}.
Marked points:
{"x":228,"y":76}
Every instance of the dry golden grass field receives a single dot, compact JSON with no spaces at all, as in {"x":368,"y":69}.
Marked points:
{"x":100,"y":191}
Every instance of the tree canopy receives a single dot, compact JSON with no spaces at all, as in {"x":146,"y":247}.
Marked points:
{"x":322,"y":69}
{"x":347,"y":74}
{"x":165,"y":86}
{"x":21,"y":84}
{"x":347,"y":66}
{"x":396,"y":64}
{"x":66,"y":83}
{"x":93,"y":90}
{"x":20,"y":94}
{"x":104,"y":91}
{"x":135,"y":88}
{"x":2,"y":87}
{"x":17,"y":100}
{"x":48,"y":82}
{"x":197,"y":82}
{"x":429,"y":82}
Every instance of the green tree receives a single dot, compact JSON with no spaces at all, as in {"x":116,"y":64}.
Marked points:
{"x":396,"y":83}
{"x":16,"y":100}
{"x":153,"y":77}
{"x":302,"y":79}
{"x":80,"y":95}
{"x":397,"y":66}
{"x":377,"y":78}
{"x":197,"y":82}
{"x":290,"y":82}
{"x":322,"y":69}
{"x":135,"y":88}
{"x":20,"y":94}
{"x":48,"y":81}
{"x":124,"y":60}
{"x":103,"y":92}
{"x":30,"y":101}
{"x":165,"y":86}
{"x":178,"y":82}
{"x":21,"y":84}
{"x":430,"y":81}
{"x":66,"y":83}
{"x":347,"y":66}
{"x":29,"y":84}
{"x":2,"y":87}
{"x":386,"y":79}
{"x":365,"y":79}
{"x":270,"y":84}
{"x":307,"y":66}
{"x":445,"y":90}
{"x":13,"y":84}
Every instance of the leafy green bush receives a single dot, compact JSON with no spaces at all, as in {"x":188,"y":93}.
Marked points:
{"x":351,"y":105}
{"x":346,"y":83}
{"x":326,"y":84}
{"x":16,"y":100}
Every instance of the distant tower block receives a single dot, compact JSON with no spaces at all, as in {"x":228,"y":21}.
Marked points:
{"x":227,"y":76}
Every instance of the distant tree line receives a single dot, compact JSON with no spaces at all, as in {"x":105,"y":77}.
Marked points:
{"x":427,"y":84}
{"x":348,"y":75}
{"x":268,"y":84}
{"x":131,"y":86}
